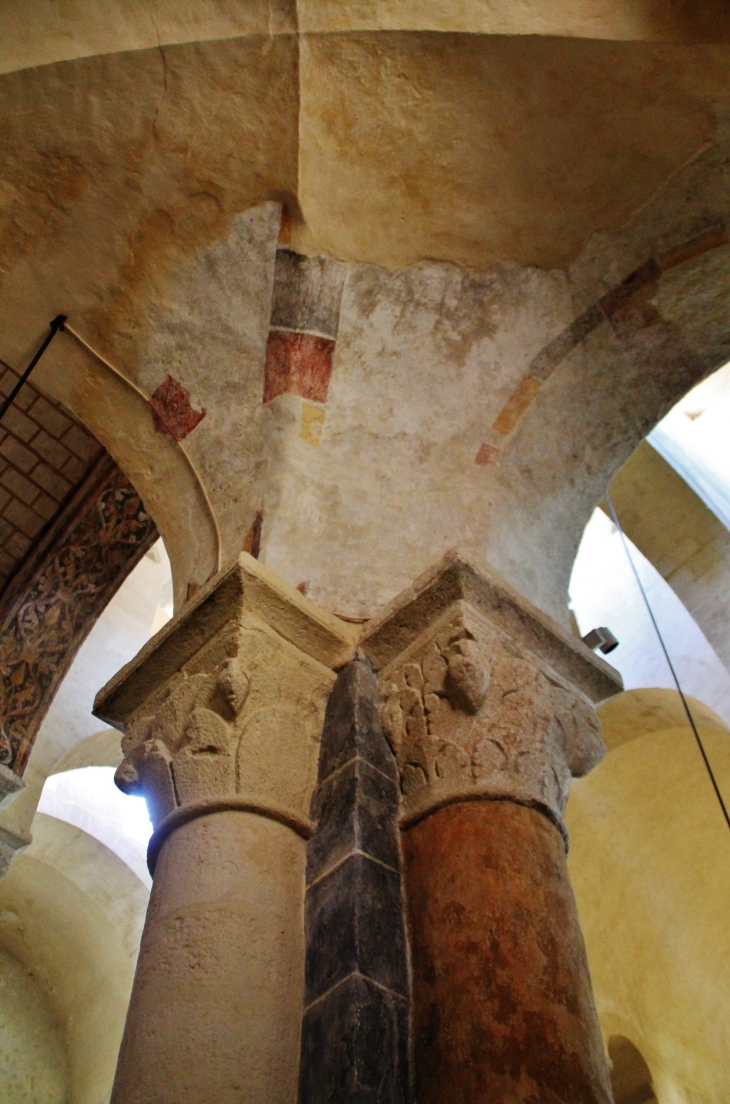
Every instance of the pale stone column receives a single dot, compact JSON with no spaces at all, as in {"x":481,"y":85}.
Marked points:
{"x":222,"y":714}
{"x":488,"y":707}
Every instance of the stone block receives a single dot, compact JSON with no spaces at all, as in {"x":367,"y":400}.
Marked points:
{"x":355,"y":1047}
{"x":354,"y":923}
{"x":356,"y":810}
{"x":307,"y":293}
{"x":352,"y":726}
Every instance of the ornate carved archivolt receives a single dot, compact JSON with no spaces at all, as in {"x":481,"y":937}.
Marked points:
{"x":58,"y":596}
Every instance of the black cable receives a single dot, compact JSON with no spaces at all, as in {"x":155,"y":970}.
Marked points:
{"x":687,"y":710}
{"x":56,"y":325}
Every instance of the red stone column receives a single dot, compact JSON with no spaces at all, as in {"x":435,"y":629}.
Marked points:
{"x":488,"y":707}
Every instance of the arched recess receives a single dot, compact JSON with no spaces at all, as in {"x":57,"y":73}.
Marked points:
{"x":649,"y":864}
{"x":631,"y":1078}
{"x":72,"y":913}
{"x":650,"y":304}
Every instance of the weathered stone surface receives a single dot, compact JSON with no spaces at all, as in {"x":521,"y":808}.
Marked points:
{"x":154,"y":211}
{"x":215,"y":1012}
{"x":503,"y":1008}
{"x":10,"y":785}
{"x":355,"y":809}
{"x":225,"y":705}
{"x":477,"y":702}
{"x":352,"y":728}
{"x":355,"y":1044}
{"x":356,"y":1020}
{"x":354,"y":925}
{"x":222,"y":713}
{"x":307,"y":293}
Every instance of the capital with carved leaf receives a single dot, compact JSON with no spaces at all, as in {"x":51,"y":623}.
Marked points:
{"x":483,"y":696}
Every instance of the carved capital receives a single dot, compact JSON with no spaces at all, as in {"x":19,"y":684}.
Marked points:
{"x":483,"y":696}
{"x":224,"y":708}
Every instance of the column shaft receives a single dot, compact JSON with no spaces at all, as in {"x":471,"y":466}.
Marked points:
{"x":355,"y":1031}
{"x":222,"y":715}
{"x":486,"y":705}
{"x":216,"y":1005}
{"x":503,"y":1009}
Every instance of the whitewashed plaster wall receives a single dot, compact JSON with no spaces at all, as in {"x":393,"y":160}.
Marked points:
{"x":382,"y":148}
{"x":33,"y":1058}
{"x":72,"y":913}
{"x":425,"y":360}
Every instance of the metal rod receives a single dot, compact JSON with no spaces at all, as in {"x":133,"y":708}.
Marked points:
{"x":56,"y":325}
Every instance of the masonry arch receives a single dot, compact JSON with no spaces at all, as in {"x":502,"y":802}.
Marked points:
{"x":650,"y":309}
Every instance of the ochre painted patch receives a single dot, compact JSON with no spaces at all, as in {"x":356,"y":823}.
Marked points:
{"x":172,"y":412}
{"x":516,"y":405}
{"x":298,"y":363}
{"x":312,"y":424}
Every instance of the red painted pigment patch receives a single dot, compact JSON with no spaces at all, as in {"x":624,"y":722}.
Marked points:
{"x":486,"y":454}
{"x":299,"y":363}
{"x":172,"y":412}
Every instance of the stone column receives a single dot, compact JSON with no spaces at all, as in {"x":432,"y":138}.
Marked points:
{"x":488,"y":706}
{"x":222,"y":714}
{"x":355,"y":1031}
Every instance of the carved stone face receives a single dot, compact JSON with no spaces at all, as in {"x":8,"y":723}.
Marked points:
{"x":468,"y":676}
{"x":468,"y":710}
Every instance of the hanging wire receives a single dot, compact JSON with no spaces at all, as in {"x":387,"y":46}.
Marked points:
{"x":685,"y":703}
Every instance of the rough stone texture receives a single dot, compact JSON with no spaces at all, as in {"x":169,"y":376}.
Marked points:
{"x":223,"y":711}
{"x":362,"y":1029}
{"x":55,"y":600}
{"x":10,"y":785}
{"x":355,"y":1030}
{"x":88,"y":28}
{"x":476,"y":702}
{"x":226,"y":702}
{"x":307,"y":293}
{"x":502,"y":999}
{"x":355,"y":926}
{"x":355,"y":810}
{"x":216,"y":1002}
{"x":152,"y":212}
{"x":684,"y":541}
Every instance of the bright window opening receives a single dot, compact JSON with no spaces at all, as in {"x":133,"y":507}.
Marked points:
{"x":88,"y":799}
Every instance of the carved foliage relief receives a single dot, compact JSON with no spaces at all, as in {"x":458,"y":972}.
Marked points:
{"x":242,"y":718}
{"x":468,"y":711}
{"x":86,"y":561}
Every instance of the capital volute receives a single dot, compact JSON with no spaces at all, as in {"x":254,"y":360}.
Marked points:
{"x":224,"y":708}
